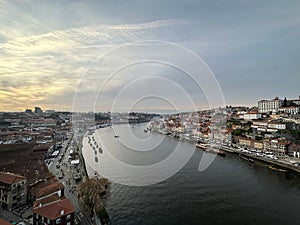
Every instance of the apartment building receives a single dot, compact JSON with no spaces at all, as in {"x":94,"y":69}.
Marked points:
{"x":13,"y":190}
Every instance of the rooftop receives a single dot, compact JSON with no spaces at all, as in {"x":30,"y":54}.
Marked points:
{"x":56,"y":209}
{"x":47,"y":187}
{"x":4,"y":222}
{"x":10,"y":178}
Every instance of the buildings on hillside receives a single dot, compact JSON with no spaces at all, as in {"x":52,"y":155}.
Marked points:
{"x":279,"y":105}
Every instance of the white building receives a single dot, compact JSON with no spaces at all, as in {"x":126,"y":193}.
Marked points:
{"x":250,"y":116}
{"x":290,"y":110}
{"x":265,"y":106}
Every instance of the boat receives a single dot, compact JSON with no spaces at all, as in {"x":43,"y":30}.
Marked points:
{"x":246,"y":158}
{"x":116,"y":136}
{"x":204,"y":147}
{"x":277,"y":169}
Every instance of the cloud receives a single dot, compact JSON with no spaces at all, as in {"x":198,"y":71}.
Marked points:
{"x":36,"y":67}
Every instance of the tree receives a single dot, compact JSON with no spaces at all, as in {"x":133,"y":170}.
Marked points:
{"x":285,"y":102}
{"x":90,"y":196}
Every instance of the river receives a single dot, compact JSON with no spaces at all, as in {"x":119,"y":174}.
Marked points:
{"x":230,"y":191}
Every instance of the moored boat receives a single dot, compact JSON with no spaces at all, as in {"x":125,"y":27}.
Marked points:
{"x":246,"y":158}
{"x":277,"y":169}
{"x":211,"y":149}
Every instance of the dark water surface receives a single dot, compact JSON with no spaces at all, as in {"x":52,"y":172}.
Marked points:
{"x":230,"y":191}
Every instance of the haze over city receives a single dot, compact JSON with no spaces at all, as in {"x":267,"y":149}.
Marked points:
{"x":252,"y":47}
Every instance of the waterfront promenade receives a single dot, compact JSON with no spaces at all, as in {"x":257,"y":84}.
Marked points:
{"x":286,"y":162}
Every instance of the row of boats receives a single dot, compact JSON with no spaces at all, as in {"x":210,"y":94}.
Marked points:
{"x":209,"y":148}
{"x":212,"y":149}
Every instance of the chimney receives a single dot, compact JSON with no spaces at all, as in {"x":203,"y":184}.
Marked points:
{"x":62,"y":212}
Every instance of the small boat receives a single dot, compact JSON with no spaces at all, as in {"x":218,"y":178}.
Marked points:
{"x":96,"y":159}
{"x":116,"y":136}
{"x":206,"y":148}
{"x":246,"y":158}
{"x":202,"y":146}
{"x":277,"y":169}
{"x":100,"y":150}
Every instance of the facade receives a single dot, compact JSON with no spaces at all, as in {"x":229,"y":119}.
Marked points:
{"x":250,"y":116}
{"x":13,"y":190}
{"x":277,"y":146}
{"x":266,"y":106}
{"x":60,"y":212}
{"x":296,"y":101}
{"x":293,"y":110}
{"x":44,"y":189}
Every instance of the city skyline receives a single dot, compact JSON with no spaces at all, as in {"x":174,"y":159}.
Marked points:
{"x":46,"y":48}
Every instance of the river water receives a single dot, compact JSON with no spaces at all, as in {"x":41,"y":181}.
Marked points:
{"x":230,"y":191}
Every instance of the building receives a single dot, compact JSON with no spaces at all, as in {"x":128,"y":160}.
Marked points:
{"x":267,"y":106}
{"x":28,"y":111}
{"x":277,"y":145}
{"x":60,"y":212}
{"x":250,"y":116}
{"x":38,"y":110}
{"x":46,"y":188}
{"x":13,"y":190}
{"x":293,"y":110}
{"x":296,"y":101}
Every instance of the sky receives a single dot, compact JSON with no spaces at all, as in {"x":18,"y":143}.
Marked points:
{"x":147,"y":55}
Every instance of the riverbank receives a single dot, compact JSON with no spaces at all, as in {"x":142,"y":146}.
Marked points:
{"x":275,"y":162}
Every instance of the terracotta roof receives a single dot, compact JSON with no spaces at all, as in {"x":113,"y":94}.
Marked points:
{"x":47,"y":187}
{"x":47,"y":200}
{"x":55,"y":210}
{"x":10,"y":178}
{"x":4,"y":222}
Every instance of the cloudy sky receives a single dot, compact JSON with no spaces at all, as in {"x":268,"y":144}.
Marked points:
{"x":87,"y":55}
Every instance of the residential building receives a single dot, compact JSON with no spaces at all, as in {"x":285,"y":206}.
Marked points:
{"x":250,"y":116}
{"x":60,"y":212}
{"x":267,"y":106}
{"x":13,"y":190}
{"x":293,"y":110}
{"x":278,"y":146}
{"x":46,"y":188}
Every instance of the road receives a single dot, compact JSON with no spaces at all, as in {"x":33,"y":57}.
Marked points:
{"x":9,"y":216}
{"x":67,"y":180}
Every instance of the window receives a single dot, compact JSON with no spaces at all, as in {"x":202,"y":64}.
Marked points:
{"x":48,"y":221}
{"x":68,"y":223}
{"x":68,"y":216}
{"x":58,"y":221}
